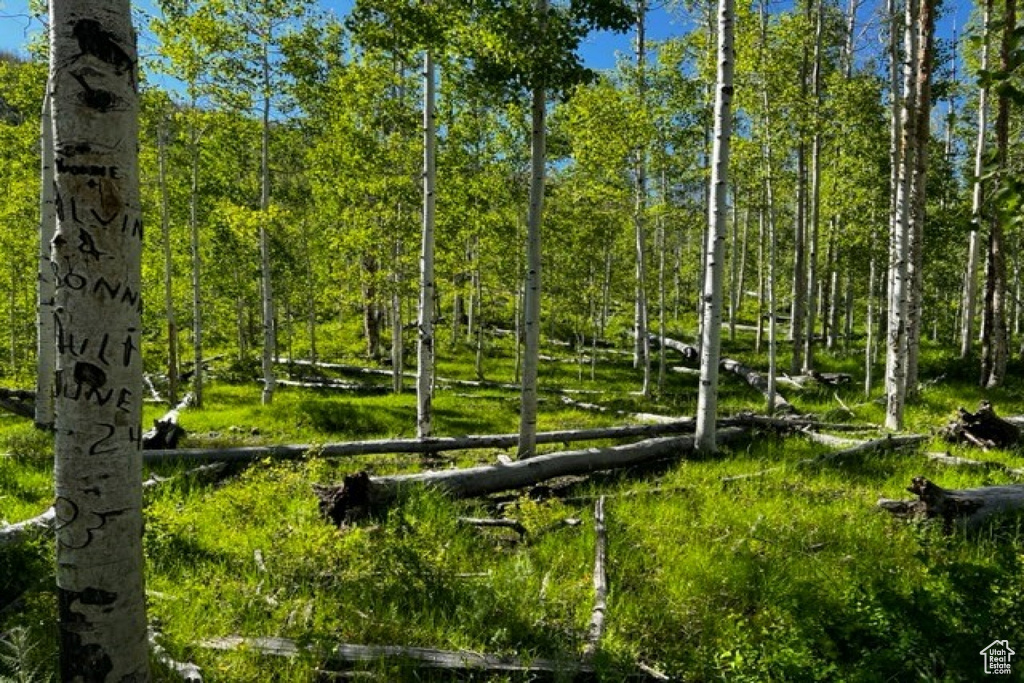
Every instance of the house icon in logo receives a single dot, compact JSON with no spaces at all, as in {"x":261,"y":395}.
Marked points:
{"x":997,"y":656}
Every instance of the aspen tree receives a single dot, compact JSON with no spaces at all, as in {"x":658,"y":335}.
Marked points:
{"x":707,"y":398}
{"x":96,"y":255}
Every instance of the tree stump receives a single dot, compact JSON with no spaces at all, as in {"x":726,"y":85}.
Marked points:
{"x":984,"y":429}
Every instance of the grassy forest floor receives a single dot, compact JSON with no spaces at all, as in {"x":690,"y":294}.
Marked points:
{"x":794,"y":575}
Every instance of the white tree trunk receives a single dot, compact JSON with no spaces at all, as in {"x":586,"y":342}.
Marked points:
{"x":46,"y":348}
{"x":397,"y":341}
{"x":707,"y":398}
{"x":531,"y":299}
{"x":267,"y":290}
{"x":813,"y":226}
{"x":970,"y":303}
{"x":642,"y":346}
{"x":425,"y":323}
{"x":197,"y":296}
{"x":899,"y":242}
{"x":96,"y":257}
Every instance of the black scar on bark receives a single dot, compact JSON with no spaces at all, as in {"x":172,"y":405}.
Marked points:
{"x":78,"y":661}
{"x":100,"y":100}
{"x":101,"y":44}
{"x":90,"y":375}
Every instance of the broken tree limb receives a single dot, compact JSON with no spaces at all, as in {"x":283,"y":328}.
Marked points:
{"x":597,"y":614}
{"x":640,"y":417}
{"x":491,"y":523}
{"x":753,"y":378}
{"x":346,"y":656}
{"x":983,"y":429}
{"x":19,"y":401}
{"x":792,"y":422}
{"x":954,"y":461}
{"x":14,"y":533}
{"x":360,"y":493}
{"x":886,"y":443}
{"x":965,"y":507}
{"x":428,"y":445}
{"x":185,"y":671}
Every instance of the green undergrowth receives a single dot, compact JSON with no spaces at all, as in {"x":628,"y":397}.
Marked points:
{"x":789,"y":575}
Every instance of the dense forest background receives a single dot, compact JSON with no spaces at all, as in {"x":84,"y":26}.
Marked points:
{"x":345,"y":151}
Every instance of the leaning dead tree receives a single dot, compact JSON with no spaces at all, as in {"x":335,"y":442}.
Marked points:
{"x":360,"y":493}
{"x":983,"y":428}
{"x":968,"y":508}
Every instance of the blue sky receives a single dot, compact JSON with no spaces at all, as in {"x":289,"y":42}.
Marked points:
{"x":598,"y":51}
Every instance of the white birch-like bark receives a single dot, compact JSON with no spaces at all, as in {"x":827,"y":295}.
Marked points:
{"x":46,"y":348}
{"x":267,"y":289}
{"x":813,"y":227}
{"x":96,"y":258}
{"x":869,"y":327}
{"x":642,"y":346}
{"x":769,"y":197}
{"x":899,"y":242}
{"x":425,"y":322}
{"x":531,"y":298}
{"x":197,"y":296}
{"x":707,"y":397}
{"x":970,"y":302}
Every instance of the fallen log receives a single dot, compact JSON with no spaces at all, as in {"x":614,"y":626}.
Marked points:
{"x":334,"y":385}
{"x":428,"y":445}
{"x":360,"y":493}
{"x":968,"y":508}
{"x":19,"y":401}
{"x":753,"y":378}
{"x":346,"y":656}
{"x":166,"y":431}
{"x":792,"y":422}
{"x":641,"y":417}
{"x":984,"y":428}
{"x":491,"y":523}
{"x":597,"y":614}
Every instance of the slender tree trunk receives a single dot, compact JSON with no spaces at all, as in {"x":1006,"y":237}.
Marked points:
{"x":46,"y":359}
{"x":531,"y":299}
{"x":707,"y":397}
{"x":769,"y":213}
{"x":98,"y":469}
{"x":995,"y":351}
{"x":798,"y":307}
{"x":915,"y":276}
{"x":269,"y":336}
{"x":397,"y":340}
{"x":761,"y":279}
{"x":899,"y":244}
{"x":869,"y":325}
{"x":970,"y":302}
{"x":165,"y":230}
{"x":425,"y":324}
{"x":734,"y":248}
{"x":814,"y":227}
{"x":660,"y":237}
{"x":642,"y":346}
{"x":197,"y":298}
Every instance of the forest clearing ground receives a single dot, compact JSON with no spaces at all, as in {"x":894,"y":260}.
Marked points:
{"x":792,"y":575}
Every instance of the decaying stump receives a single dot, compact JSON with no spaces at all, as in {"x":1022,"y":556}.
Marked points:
{"x":966,"y":507}
{"x":360,"y":493}
{"x":984,"y":429}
